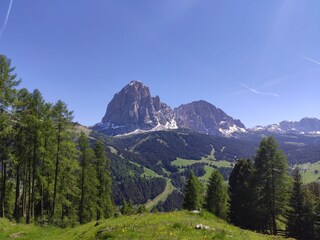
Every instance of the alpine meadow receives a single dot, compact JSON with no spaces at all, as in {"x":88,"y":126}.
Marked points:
{"x":220,"y":139}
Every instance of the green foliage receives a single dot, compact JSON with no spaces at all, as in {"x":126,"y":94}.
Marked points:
{"x":272,"y":183}
{"x":216,"y":200}
{"x":40,"y":163}
{"x":241,"y":192}
{"x":105,"y":205}
{"x":295,"y":213}
{"x":193,"y":193}
{"x":317,"y":222}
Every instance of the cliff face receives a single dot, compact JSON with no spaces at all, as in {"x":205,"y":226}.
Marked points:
{"x":134,"y":108}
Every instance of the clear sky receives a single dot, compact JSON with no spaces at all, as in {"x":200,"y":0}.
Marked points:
{"x":259,"y":61}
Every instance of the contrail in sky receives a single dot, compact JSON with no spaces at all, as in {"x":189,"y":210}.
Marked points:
{"x":6,"y":19}
{"x":310,"y":59}
{"x":258,"y":92}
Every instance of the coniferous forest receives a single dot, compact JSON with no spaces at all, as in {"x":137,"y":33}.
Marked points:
{"x":50,"y":174}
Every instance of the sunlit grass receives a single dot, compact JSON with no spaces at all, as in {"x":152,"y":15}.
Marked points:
{"x":174,"y":225}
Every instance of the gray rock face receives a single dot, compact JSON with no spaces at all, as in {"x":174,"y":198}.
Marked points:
{"x":201,"y":116}
{"x":134,"y":108}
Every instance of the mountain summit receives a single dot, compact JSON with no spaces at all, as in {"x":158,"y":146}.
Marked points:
{"x":134,"y":110}
{"x":201,"y":116}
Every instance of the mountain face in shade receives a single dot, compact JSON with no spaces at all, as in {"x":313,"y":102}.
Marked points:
{"x":201,"y":116}
{"x":134,"y":110}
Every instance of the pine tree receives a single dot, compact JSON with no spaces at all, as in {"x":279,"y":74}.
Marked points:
{"x":295,"y":212}
{"x":272,"y":184}
{"x":241,"y":192}
{"x":193,"y":194}
{"x":216,"y":200}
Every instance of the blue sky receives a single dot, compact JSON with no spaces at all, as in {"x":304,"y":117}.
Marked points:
{"x":259,"y":61}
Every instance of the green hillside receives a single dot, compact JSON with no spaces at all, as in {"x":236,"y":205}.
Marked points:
{"x":173,"y":225}
{"x":310,"y":171}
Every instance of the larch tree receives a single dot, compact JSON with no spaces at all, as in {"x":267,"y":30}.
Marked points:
{"x":105,"y":206}
{"x":88,"y":182}
{"x":8,"y":84}
{"x":62,"y":118}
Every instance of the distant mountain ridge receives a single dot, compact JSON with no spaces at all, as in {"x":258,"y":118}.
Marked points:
{"x":134,"y":110}
{"x":306,"y":126}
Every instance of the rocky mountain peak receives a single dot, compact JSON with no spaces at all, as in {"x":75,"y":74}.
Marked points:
{"x":133,"y":108}
{"x":202,"y":116}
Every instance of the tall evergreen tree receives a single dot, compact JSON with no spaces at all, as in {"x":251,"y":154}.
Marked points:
{"x":105,"y":206}
{"x":8,"y":84}
{"x":62,"y":120}
{"x":88,"y":182}
{"x":272,"y":184}
{"x":295,"y":212}
{"x":216,"y":200}
{"x":242,"y":194}
{"x":193,"y":194}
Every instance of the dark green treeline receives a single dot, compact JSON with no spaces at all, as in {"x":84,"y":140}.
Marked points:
{"x":48,"y":172}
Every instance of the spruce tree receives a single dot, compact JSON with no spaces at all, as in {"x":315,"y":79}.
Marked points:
{"x":216,"y":200}
{"x":295,"y":212}
{"x":193,"y":194}
{"x":242,"y":194}
{"x":272,"y":184}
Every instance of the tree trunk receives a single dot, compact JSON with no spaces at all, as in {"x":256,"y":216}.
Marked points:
{"x":33,"y":171}
{"x":3,"y":188}
{"x":56,"y":172}
{"x":29,"y":193}
{"x":82,"y":189}
{"x":17,"y":198}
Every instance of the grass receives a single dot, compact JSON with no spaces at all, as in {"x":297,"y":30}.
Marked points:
{"x":149,"y":173}
{"x":208,"y":173}
{"x":181,"y":162}
{"x":161,"y":197}
{"x":310,"y":172}
{"x":173,"y":225}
